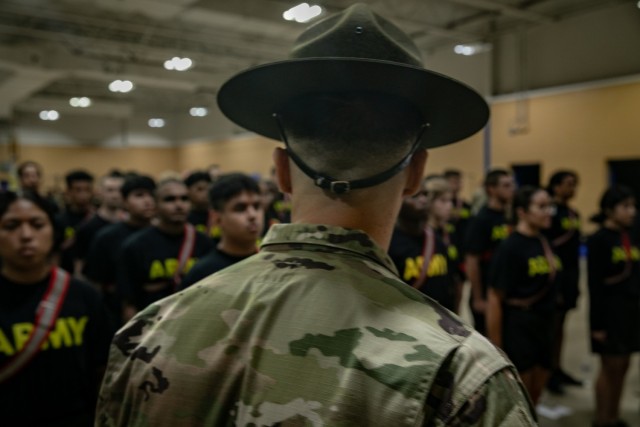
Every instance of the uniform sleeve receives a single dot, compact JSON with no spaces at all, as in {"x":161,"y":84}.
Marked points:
{"x":501,"y":401}
{"x":596,"y":260}
{"x":477,"y":386}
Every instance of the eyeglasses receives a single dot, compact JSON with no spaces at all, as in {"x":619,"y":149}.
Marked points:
{"x":175,"y":198}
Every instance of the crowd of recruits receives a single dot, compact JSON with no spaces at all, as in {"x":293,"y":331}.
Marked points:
{"x":134,"y":248}
{"x":520,"y":252}
{"x":144,"y":240}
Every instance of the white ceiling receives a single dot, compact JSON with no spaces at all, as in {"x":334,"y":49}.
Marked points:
{"x":51,"y":50}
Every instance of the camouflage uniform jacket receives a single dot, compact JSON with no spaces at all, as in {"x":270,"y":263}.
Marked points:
{"x":317,"y":329}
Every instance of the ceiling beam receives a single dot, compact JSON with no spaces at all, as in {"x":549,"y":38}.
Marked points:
{"x":506,"y":10}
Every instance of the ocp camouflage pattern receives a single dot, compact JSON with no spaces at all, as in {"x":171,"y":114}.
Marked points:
{"x":317,"y":329}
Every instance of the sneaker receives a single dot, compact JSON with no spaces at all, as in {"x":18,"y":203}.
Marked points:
{"x":567,"y":379}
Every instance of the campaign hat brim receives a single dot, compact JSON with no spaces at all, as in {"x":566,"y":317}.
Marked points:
{"x":452,"y":110}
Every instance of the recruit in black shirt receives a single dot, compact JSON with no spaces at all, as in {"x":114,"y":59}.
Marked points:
{"x":564,"y":236}
{"x":406,"y":252}
{"x":69,"y":222}
{"x":200,"y":220}
{"x":215,"y":261}
{"x":149,"y":262}
{"x":484,"y":233}
{"x":58,"y":387}
{"x":607,"y":260}
{"x":521,"y":270}
{"x":86,"y":233}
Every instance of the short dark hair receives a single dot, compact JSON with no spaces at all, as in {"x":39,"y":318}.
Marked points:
{"x":115,"y":173}
{"x":228,"y":186}
{"x":196,"y":177}
{"x":558,"y":177}
{"x":522,"y":198}
{"x":612,"y":196}
{"x":78,"y":176}
{"x":451,"y":173}
{"x":137,"y":182}
{"x":8,"y":198}
{"x":348,"y":134}
{"x":28,"y":163}
{"x":493,"y":177}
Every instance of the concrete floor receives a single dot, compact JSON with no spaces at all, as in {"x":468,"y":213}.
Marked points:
{"x":575,"y":408}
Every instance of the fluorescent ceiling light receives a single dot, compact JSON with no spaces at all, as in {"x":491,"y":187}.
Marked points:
{"x":178,"y":64}
{"x":156,"y":123}
{"x":198,"y":111}
{"x":122,"y":86}
{"x":82,"y":102}
{"x":472,"y":48}
{"x":302,"y":13}
{"x":49,"y":115}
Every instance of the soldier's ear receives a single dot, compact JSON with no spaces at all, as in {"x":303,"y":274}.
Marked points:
{"x":414,"y":172}
{"x":283,"y":170}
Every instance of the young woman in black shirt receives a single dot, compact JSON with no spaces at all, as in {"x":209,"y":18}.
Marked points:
{"x":54,"y":332}
{"x":522,"y":294}
{"x":614,"y":289}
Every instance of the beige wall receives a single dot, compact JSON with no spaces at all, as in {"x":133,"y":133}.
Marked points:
{"x":576,"y":130}
{"x":580,"y":130}
{"x":250,"y":155}
{"x":57,"y":161}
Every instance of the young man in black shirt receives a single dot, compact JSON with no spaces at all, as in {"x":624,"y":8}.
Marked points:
{"x":104,"y":255}
{"x":236,"y":205}
{"x":485,"y":232}
{"x":564,"y":237}
{"x":420,"y":247}
{"x":155,"y":259}
{"x":198,"y":184}
{"x":79,"y":209}
{"x":110,"y":211}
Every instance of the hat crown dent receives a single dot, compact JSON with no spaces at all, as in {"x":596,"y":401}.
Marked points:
{"x":357,"y":33}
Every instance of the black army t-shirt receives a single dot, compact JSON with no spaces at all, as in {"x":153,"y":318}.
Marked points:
{"x":522,"y":270}
{"x":104,"y":253}
{"x":69,"y":222}
{"x":58,"y":387}
{"x":613,"y":271}
{"x":484,"y":233}
{"x":86,"y":233}
{"x":407,"y":253}
{"x":149,"y":262}
{"x":200,"y":220}
{"x":215,"y":261}
{"x":564,"y":236}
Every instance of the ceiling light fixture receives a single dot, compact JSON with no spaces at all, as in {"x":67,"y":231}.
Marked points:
{"x":122,"y":86}
{"x":198,"y":111}
{"x":178,"y":64}
{"x":49,"y":115}
{"x":472,"y":48}
{"x":82,"y":102}
{"x":302,"y":13}
{"x":156,"y":123}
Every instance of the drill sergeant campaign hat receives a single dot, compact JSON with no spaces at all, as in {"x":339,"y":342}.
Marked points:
{"x":354,"y":51}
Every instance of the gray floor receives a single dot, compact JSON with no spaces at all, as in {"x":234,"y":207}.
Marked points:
{"x":575,"y":408}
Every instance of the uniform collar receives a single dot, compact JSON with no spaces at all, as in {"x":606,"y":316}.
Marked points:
{"x":329,"y":236}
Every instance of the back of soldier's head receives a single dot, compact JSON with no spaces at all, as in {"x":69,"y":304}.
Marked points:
{"x":353,"y":103}
{"x":352,"y":134}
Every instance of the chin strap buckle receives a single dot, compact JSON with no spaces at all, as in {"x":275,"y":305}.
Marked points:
{"x":336,"y":187}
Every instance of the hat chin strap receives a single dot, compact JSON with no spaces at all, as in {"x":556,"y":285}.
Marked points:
{"x":337,"y":186}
